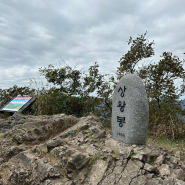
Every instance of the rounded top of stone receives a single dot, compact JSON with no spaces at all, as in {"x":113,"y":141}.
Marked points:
{"x":130,"y":76}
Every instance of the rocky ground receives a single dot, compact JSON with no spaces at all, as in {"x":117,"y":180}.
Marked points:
{"x":64,"y":150}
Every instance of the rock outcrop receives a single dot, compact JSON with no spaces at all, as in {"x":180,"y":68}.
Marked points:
{"x":64,"y":150}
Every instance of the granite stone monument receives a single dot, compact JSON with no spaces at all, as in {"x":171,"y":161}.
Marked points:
{"x":130,"y":111}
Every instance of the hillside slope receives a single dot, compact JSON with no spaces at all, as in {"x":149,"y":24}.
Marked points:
{"x":64,"y":150}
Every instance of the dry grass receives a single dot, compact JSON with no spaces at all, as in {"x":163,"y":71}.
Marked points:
{"x":167,"y":143}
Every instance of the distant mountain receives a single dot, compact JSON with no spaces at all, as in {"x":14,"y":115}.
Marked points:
{"x":183,"y":104}
{"x":183,"y":107}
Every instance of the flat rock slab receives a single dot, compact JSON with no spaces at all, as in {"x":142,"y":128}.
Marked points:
{"x":130,"y":111}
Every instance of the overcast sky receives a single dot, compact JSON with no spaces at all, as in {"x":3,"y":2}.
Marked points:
{"x":37,"y":33}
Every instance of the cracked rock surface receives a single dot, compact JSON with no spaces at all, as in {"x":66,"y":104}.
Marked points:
{"x":65,"y":150}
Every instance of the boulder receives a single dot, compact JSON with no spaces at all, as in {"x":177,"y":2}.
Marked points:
{"x":64,"y":150}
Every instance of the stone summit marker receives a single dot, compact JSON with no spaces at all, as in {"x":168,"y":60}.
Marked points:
{"x":130,"y":111}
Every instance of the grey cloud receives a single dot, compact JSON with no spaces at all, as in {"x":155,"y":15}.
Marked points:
{"x":36,"y":33}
